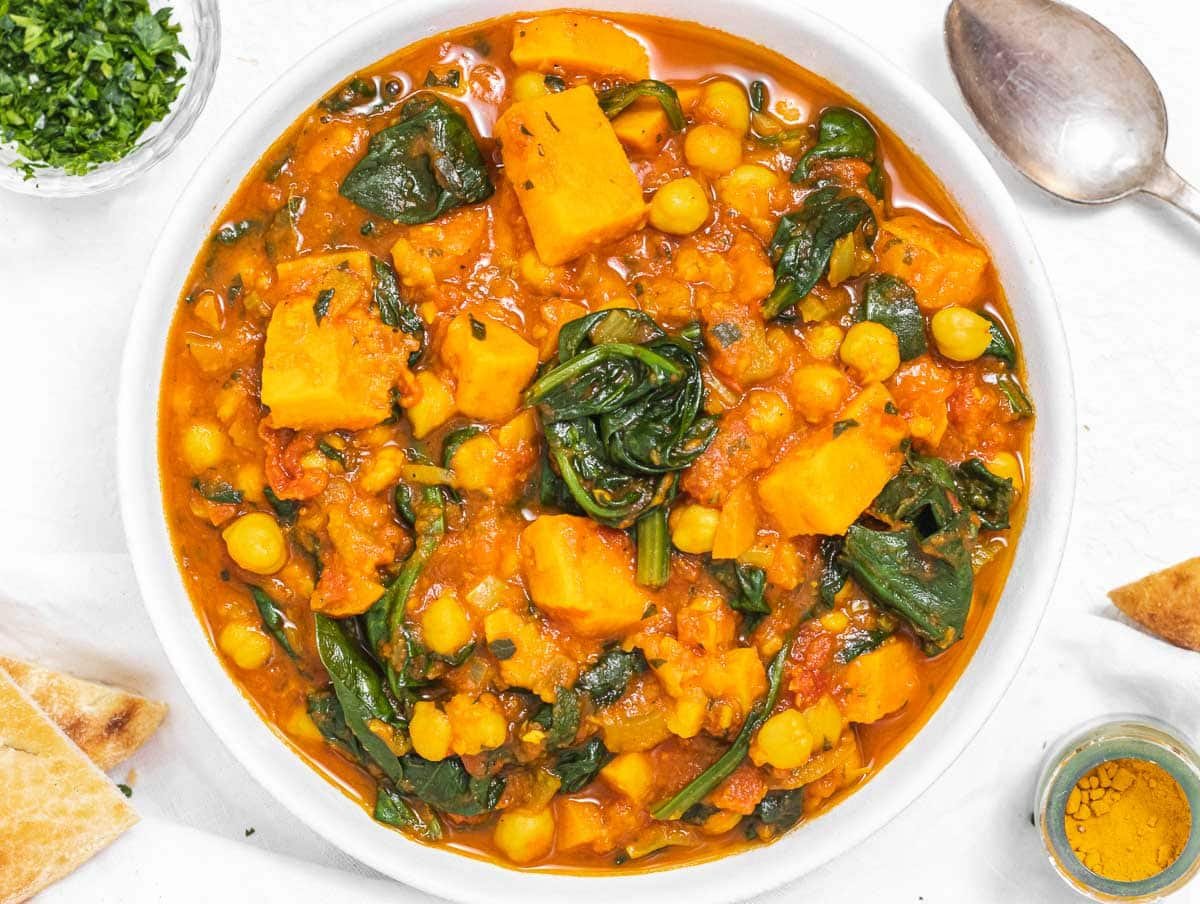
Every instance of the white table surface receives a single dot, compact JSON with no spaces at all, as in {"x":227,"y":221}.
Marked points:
{"x":1126,"y":279}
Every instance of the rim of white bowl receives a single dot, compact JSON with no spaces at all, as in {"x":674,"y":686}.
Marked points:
{"x":931,"y":132}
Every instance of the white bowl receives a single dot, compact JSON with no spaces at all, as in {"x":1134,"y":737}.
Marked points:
{"x":919,"y":121}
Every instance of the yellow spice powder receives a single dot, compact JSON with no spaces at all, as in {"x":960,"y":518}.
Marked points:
{"x":1128,"y":820}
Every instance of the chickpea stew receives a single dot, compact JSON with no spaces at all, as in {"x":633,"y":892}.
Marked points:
{"x":592,"y":441}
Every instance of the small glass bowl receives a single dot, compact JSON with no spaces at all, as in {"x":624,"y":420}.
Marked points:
{"x":201,"y":35}
{"x":1096,"y":742}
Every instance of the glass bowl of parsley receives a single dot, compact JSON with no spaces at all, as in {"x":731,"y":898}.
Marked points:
{"x":95,"y":92}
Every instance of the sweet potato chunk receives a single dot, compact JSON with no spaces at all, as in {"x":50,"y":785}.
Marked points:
{"x":336,"y":371}
{"x":823,"y":486}
{"x":572,"y":178}
{"x":642,"y":129}
{"x":942,"y":268}
{"x":491,"y":364}
{"x":582,"y":573}
{"x":1166,"y":603}
{"x":576,"y":41}
{"x":879,"y":683}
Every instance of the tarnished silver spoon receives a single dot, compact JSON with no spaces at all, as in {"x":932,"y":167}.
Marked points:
{"x":1065,"y":100}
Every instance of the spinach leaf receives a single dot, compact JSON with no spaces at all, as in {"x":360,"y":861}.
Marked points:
{"x":781,"y":809}
{"x":614,"y":100}
{"x":1014,"y":394}
{"x":392,"y":809}
{"x":653,"y":548}
{"x":359,"y":691}
{"x":923,"y":494}
{"x":421,"y":167}
{"x":758,"y":96}
{"x":286,"y":510}
{"x":564,"y":718}
{"x":229,"y":233}
{"x":447,"y":786}
{"x":988,"y":494}
{"x":327,"y":715}
{"x":1001,"y":346}
{"x":273,"y":620}
{"x":455,"y":439}
{"x":841,"y":133}
{"x":332,"y":452}
{"x":358,"y":94}
{"x":893,"y":303}
{"x":700,"y":787}
{"x":218,"y":491}
{"x":577,"y":766}
{"x":804,"y":240}
{"x":856,"y":642}
{"x":928,"y":582}
{"x":833,"y":570}
{"x":745,"y":585}
{"x":606,"y":681}
{"x":394,"y":311}
{"x":451,"y":79}
{"x":621,"y":411}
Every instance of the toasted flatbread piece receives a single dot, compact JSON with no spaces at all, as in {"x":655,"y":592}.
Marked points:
{"x":1167,"y":603}
{"x":57,"y":809}
{"x":109,"y":724}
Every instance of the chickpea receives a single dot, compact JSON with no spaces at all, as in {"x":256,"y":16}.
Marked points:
{"x":444,"y":626}
{"x":246,"y":645}
{"x":871,"y":350}
{"x":251,"y":480}
{"x":712,"y":149}
{"x":680,"y":207}
{"x":818,"y":391}
{"x":203,"y":446}
{"x":256,"y":543}
{"x":835,"y":622}
{"x":528,"y":85}
{"x":725,"y":103}
{"x":747,"y":188}
{"x":430,"y":731}
{"x":1006,"y":465}
{"x":768,"y":414}
{"x":784,"y":741}
{"x":960,"y":333}
{"x":525,"y":835}
{"x":823,"y":340}
{"x":694,"y":527}
{"x":477,"y":725}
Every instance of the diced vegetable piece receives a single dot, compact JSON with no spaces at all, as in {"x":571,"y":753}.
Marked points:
{"x":580,"y":824}
{"x":942,"y":268}
{"x":582,"y":572}
{"x":737,"y":525}
{"x":632,"y":774}
{"x":433,"y":407}
{"x":537,"y":662}
{"x":492,"y":365}
{"x":478,"y":724}
{"x":329,"y":362}
{"x":879,"y":683}
{"x":642,"y":130}
{"x":572,"y":178}
{"x":825,"y":484}
{"x":576,"y":41}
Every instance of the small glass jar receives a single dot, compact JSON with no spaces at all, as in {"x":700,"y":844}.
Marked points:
{"x":200,"y":23}
{"x":1112,"y":738}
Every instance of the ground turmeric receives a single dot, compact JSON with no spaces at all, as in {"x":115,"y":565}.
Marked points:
{"x":1127,"y":820}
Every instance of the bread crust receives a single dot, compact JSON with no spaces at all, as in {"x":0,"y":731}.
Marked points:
{"x":1166,"y":603}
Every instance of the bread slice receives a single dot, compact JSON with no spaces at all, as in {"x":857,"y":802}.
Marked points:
{"x":57,"y":809}
{"x":107,"y":723}
{"x":1167,"y":603}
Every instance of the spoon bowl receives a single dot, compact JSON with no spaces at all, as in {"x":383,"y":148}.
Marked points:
{"x":1064,"y":99}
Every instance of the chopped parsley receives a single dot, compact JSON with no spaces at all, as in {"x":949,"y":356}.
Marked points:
{"x":81,"y":80}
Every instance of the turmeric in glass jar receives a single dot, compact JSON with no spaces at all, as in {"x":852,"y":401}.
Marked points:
{"x":1128,"y":820}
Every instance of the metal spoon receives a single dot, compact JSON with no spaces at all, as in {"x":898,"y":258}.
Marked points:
{"x":1065,"y":100}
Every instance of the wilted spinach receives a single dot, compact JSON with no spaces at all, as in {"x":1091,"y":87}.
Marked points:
{"x":218,"y":491}
{"x":892,"y":302}
{"x":1010,"y":387}
{"x":927,"y":581}
{"x":804,"y":240}
{"x":605,"y":682}
{"x":1001,"y":346}
{"x":564,"y":718}
{"x":577,"y":766}
{"x":272,"y":619}
{"x":621,"y":411}
{"x":447,"y":786}
{"x":988,"y":495}
{"x":614,"y":100}
{"x":391,"y":808}
{"x":394,"y":311}
{"x":421,"y":167}
{"x":857,"y":641}
{"x":745,"y":585}
{"x":833,"y":570}
{"x":327,"y":715}
{"x":780,"y":810}
{"x":843,"y":133}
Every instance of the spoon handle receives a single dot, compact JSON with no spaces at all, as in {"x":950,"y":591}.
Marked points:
{"x":1172,"y":188}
